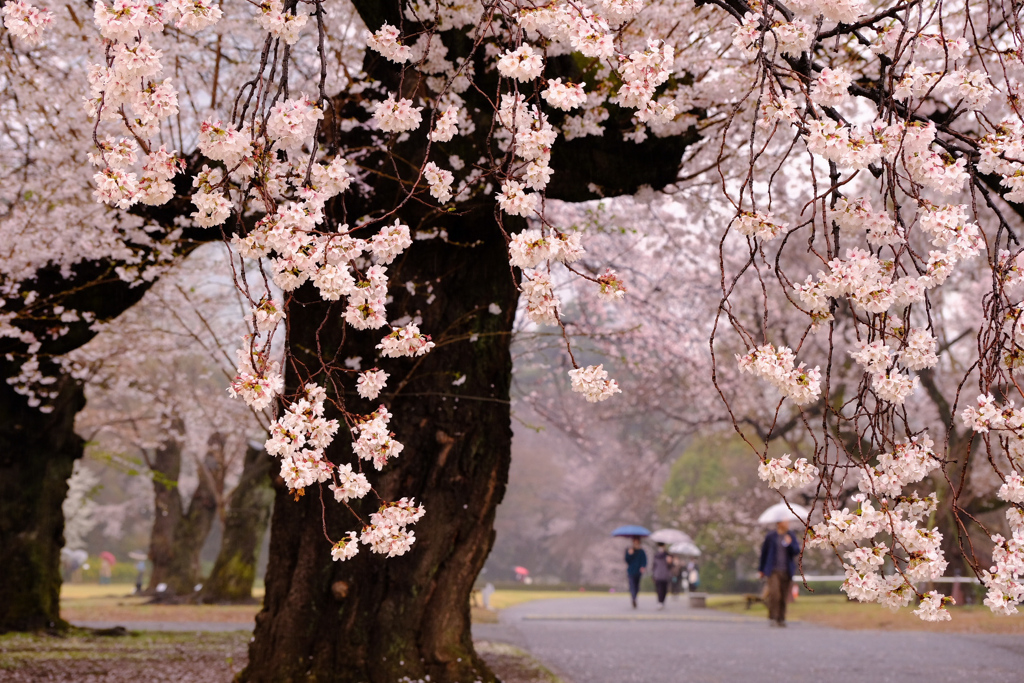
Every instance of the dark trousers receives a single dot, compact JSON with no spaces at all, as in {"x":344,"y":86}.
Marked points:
{"x":779,"y":585}
{"x":634,"y":585}
{"x":662,"y":588}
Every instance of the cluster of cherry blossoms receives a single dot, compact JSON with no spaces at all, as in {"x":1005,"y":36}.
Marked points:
{"x":785,"y":473}
{"x":1004,"y":579}
{"x":916,"y":552}
{"x":867,"y":281}
{"x":371,"y":382}
{"x":387,"y":532}
{"x":299,"y":436}
{"x":592,"y":381}
{"x":761,"y":225}
{"x":25,"y":21}
{"x":875,"y":183}
{"x":258,"y":380}
{"x":281,"y":24}
{"x":776,"y":366}
{"x":375,"y":442}
{"x":910,"y":462}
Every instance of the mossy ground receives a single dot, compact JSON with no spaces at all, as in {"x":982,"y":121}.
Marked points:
{"x":81,"y":656}
{"x":184,"y":657}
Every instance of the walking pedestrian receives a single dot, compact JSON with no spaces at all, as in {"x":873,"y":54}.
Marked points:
{"x":636,"y":564}
{"x":692,"y":577}
{"x":777,"y":566}
{"x":678,"y":578}
{"x":106,"y":570}
{"x":661,"y":572}
{"x":140,"y":567}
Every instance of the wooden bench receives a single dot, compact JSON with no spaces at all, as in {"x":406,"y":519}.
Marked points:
{"x":753,"y":599}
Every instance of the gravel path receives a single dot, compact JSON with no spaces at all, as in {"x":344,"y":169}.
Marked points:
{"x":603,"y":640}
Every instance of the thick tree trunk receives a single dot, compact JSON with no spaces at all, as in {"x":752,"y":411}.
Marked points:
{"x":378,"y":619}
{"x":245,"y":523}
{"x":37,"y":453}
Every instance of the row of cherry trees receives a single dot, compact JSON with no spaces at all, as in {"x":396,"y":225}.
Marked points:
{"x":157,"y":406}
{"x":400,"y":199}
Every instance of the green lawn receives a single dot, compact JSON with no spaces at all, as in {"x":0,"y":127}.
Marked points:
{"x":839,"y":612}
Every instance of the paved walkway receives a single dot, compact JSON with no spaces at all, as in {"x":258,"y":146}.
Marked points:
{"x":602,"y":640}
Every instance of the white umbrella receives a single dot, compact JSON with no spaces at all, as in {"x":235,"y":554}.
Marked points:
{"x":781,"y":513}
{"x":688,"y":548}
{"x":670,"y":537}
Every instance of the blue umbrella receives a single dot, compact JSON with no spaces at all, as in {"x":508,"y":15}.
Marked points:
{"x":631,"y":530}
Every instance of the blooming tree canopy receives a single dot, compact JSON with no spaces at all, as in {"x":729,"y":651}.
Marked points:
{"x":868,"y":157}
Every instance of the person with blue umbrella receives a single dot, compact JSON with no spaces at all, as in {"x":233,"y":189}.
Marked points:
{"x":636,"y":558}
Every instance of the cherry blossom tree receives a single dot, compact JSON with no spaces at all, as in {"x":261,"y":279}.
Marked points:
{"x":399,"y":199}
{"x":889,"y":130}
{"x":156,"y":113}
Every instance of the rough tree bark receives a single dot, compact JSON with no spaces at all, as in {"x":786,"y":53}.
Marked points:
{"x":374,"y":619}
{"x":37,"y":453}
{"x":244,"y":525}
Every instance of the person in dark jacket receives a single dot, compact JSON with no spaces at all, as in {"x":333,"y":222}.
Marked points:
{"x":661,"y":572}
{"x":778,"y":565}
{"x":636,"y":563}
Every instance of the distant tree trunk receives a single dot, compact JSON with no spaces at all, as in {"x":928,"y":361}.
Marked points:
{"x":37,"y":453}
{"x":377,"y":619}
{"x":178,"y":535}
{"x":245,"y":523}
{"x":949,"y":519}
{"x":166,"y":468}
{"x":190,"y":534}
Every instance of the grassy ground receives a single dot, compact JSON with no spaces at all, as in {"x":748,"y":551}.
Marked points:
{"x":114,"y":602}
{"x":838,"y":612}
{"x":92,"y":602}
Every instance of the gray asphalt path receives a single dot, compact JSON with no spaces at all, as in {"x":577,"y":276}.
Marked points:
{"x":603,"y":640}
